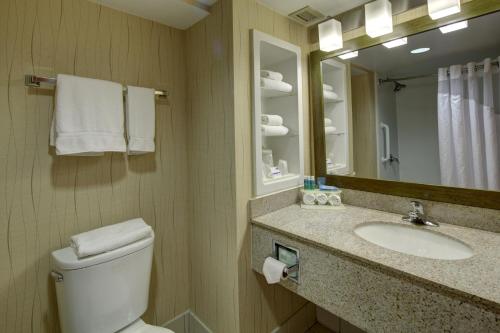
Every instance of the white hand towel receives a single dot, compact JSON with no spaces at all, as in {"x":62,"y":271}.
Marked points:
{"x":268,"y":130}
{"x":111,"y":237}
{"x":330,"y":130}
{"x":275,"y":85}
{"x":327,"y":87}
{"x":328,"y":122}
{"x":330,"y":95}
{"x":140,"y":113}
{"x":88,"y":118}
{"x":271,"y":75}
{"x":271,"y":119}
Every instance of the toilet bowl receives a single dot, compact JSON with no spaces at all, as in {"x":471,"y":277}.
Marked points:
{"x":105,"y":293}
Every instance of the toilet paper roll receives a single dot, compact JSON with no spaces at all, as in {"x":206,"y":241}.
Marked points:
{"x":308,"y":198}
{"x":334,"y":200}
{"x":321,"y":198}
{"x":273,"y":270}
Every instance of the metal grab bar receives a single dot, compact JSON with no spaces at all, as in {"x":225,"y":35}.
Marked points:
{"x":387,"y":138}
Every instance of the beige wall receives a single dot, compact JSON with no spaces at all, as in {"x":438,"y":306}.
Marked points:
{"x":225,"y":293}
{"x":213,"y":283}
{"x":262,"y":307}
{"x":43,"y":198}
{"x":194,"y":190}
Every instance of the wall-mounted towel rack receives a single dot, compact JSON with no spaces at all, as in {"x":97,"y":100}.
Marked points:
{"x":35,"y":81}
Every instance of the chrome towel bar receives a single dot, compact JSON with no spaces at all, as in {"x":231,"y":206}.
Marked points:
{"x":35,"y":81}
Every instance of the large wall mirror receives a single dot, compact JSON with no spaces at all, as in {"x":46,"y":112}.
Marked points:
{"x":417,"y":116}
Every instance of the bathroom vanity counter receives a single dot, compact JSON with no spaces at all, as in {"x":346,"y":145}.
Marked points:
{"x":475,"y":280}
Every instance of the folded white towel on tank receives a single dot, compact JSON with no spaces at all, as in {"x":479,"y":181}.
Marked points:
{"x":110,"y":237}
{"x":271,"y":75}
{"x":275,"y":85}
{"x":328,"y":122}
{"x":268,"y":130}
{"x":271,"y":119}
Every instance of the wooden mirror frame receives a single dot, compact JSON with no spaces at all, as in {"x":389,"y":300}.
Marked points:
{"x":408,"y":23}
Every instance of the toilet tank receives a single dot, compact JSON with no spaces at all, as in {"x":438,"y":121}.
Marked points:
{"x":105,"y":292}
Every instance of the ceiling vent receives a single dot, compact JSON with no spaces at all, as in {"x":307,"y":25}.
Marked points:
{"x":307,"y":16}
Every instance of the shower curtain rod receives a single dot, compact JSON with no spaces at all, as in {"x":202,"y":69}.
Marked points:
{"x":406,"y":78}
{"x":35,"y":81}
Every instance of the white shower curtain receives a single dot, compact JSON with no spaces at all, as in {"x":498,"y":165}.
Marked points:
{"x":469,"y":140}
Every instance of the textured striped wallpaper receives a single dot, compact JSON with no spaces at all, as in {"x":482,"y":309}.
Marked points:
{"x":43,"y":198}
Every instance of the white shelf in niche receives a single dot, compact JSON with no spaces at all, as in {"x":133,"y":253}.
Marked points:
{"x":338,"y":144}
{"x":270,"y":53}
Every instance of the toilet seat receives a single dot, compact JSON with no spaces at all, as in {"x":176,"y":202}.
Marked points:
{"x":139,"y":326}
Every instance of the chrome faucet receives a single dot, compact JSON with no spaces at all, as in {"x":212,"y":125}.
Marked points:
{"x":417,"y":216}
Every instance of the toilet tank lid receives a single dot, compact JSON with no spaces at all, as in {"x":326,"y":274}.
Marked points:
{"x":66,"y":259}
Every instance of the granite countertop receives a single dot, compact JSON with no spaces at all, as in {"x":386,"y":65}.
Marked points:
{"x":477,"y":279}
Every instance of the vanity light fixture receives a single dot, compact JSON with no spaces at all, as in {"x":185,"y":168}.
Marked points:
{"x":420,"y":50}
{"x":396,"y":42}
{"x":454,"y":26}
{"x":378,"y":18}
{"x":348,"y":55}
{"x":441,"y":8}
{"x":330,"y":35}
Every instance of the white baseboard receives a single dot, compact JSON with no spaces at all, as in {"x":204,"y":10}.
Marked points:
{"x":187,"y":322}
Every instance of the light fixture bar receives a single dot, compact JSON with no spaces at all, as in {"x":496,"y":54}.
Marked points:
{"x":454,"y":27}
{"x":348,"y":55}
{"x":396,"y":42}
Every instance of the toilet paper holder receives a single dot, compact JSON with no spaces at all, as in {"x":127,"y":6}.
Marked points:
{"x":292,"y":270}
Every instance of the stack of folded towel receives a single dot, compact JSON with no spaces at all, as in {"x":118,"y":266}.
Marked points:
{"x":274,"y":81}
{"x":272,"y":125}
{"x":328,"y":92}
{"x":329,"y":129}
{"x":89,"y":118}
{"x":109,"y":238}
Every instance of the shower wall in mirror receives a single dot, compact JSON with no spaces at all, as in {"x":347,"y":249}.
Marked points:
{"x":421,"y":109}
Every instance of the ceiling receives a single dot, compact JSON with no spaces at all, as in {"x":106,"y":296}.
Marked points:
{"x":326,"y":7}
{"x":478,"y":41}
{"x":180,"y":14}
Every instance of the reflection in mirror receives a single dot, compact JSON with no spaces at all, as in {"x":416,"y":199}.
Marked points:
{"x":423,"y":111}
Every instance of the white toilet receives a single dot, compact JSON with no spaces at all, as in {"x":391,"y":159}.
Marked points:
{"x":105,"y":293}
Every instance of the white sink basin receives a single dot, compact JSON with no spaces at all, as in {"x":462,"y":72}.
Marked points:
{"x":413,"y":240}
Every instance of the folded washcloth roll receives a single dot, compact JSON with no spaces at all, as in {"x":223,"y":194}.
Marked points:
{"x":275,"y":85}
{"x":334,"y":199}
{"x":330,"y":95}
{"x":140,"y":111}
{"x":271,"y":119}
{"x":110,"y":237}
{"x":328,"y":122}
{"x":88,"y":118}
{"x":330,"y":130}
{"x":271,"y":75}
{"x":327,"y":87}
{"x":268,"y":130}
